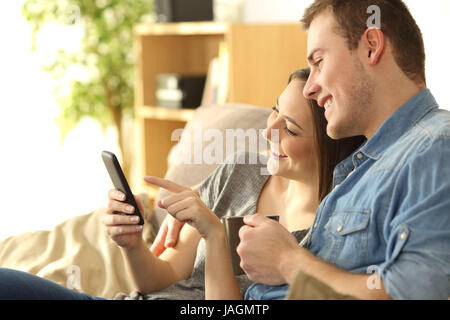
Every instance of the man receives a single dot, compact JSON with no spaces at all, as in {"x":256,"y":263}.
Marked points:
{"x":389,"y":211}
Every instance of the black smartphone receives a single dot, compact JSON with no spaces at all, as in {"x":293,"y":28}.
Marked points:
{"x":119,"y":181}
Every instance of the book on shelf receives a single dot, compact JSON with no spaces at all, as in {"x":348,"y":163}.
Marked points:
{"x":216,"y":86}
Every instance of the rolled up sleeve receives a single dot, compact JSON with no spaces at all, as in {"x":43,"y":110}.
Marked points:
{"x":417,"y":264}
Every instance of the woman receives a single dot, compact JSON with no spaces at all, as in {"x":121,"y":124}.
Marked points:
{"x":302,"y":160}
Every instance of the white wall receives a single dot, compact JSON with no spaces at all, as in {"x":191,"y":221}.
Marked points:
{"x":274,"y":10}
{"x":42,"y":181}
{"x":433,"y":17}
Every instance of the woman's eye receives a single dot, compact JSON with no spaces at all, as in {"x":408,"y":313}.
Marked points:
{"x":289,"y":132}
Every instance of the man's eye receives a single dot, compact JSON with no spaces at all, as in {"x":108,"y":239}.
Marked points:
{"x":318,"y":62}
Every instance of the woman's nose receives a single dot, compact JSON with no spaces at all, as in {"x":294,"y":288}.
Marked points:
{"x":271,"y":134}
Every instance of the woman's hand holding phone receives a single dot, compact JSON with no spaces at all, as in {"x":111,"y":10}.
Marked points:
{"x":121,"y":226}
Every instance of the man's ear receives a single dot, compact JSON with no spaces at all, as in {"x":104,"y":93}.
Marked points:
{"x":373,"y":42}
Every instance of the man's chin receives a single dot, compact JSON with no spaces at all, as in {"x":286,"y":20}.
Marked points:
{"x":331,"y":132}
{"x":335,"y":133}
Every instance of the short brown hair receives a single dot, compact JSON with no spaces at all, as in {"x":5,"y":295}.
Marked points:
{"x":397,"y":25}
{"x":328,"y":152}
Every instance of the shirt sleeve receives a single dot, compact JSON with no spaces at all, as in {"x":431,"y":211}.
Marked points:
{"x":213,"y":185}
{"x":417,"y":264}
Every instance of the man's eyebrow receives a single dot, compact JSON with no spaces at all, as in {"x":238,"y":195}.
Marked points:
{"x":289,"y":118}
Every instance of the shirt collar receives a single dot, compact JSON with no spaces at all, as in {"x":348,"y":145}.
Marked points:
{"x":399,"y":122}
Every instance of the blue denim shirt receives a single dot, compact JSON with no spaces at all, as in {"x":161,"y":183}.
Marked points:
{"x":389,"y":211}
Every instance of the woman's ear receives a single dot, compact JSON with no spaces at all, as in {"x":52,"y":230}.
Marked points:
{"x":373,"y":41}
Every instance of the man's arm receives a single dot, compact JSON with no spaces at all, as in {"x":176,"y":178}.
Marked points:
{"x":342,"y":281}
{"x":271,"y":255}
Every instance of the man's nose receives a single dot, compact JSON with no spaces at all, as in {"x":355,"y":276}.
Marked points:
{"x":311,"y":89}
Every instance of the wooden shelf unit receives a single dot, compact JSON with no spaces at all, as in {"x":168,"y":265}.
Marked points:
{"x":261,"y":56}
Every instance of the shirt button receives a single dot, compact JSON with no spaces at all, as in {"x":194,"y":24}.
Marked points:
{"x":403,"y":236}
{"x":360,"y":156}
{"x":339,"y":229}
{"x":315,"y":225}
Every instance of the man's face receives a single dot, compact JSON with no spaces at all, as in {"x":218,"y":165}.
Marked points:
{"x":339,"y":81}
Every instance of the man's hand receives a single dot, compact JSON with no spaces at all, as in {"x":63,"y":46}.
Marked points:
{"x":271,"y":255}
{"x":264,"y":244}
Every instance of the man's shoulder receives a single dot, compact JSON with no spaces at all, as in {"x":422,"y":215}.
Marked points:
{"x":426,"y":140}
{"x":429,"y":132}
{"x":436,"y":124}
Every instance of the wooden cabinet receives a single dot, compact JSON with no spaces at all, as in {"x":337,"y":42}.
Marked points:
{"x":260,"y":59}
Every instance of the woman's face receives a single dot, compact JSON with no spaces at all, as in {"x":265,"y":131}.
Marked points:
{"x":292,"y":152}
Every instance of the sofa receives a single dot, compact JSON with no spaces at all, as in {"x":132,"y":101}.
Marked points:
{"x":79,"y":254}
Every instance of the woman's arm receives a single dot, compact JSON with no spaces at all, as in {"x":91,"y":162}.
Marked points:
{"x":148,"y":272}
{"x":185,"y":205}
{"x":220,"y":282}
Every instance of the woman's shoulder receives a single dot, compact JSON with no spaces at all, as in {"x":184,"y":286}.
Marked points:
{"x":246,"y":167}
{"x":239,"y":169}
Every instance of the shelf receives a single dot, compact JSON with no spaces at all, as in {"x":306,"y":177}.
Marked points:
{"x":167,"y":114}
{"x":260,"y":59}
{"x":181,"y":28}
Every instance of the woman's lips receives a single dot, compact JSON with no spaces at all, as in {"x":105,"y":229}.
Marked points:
{"x":277,"y":156}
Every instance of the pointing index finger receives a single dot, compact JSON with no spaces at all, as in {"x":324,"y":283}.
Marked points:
{"x":165,"y":184}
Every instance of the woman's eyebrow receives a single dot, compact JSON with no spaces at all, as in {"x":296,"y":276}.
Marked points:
{"x":289,"y":118}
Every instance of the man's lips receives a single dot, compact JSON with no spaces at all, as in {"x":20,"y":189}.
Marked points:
{"x":322,"y":101}
{"x":328,"y":104}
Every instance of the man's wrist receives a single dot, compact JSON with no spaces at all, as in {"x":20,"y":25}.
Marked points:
{"x":290,"y":263}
